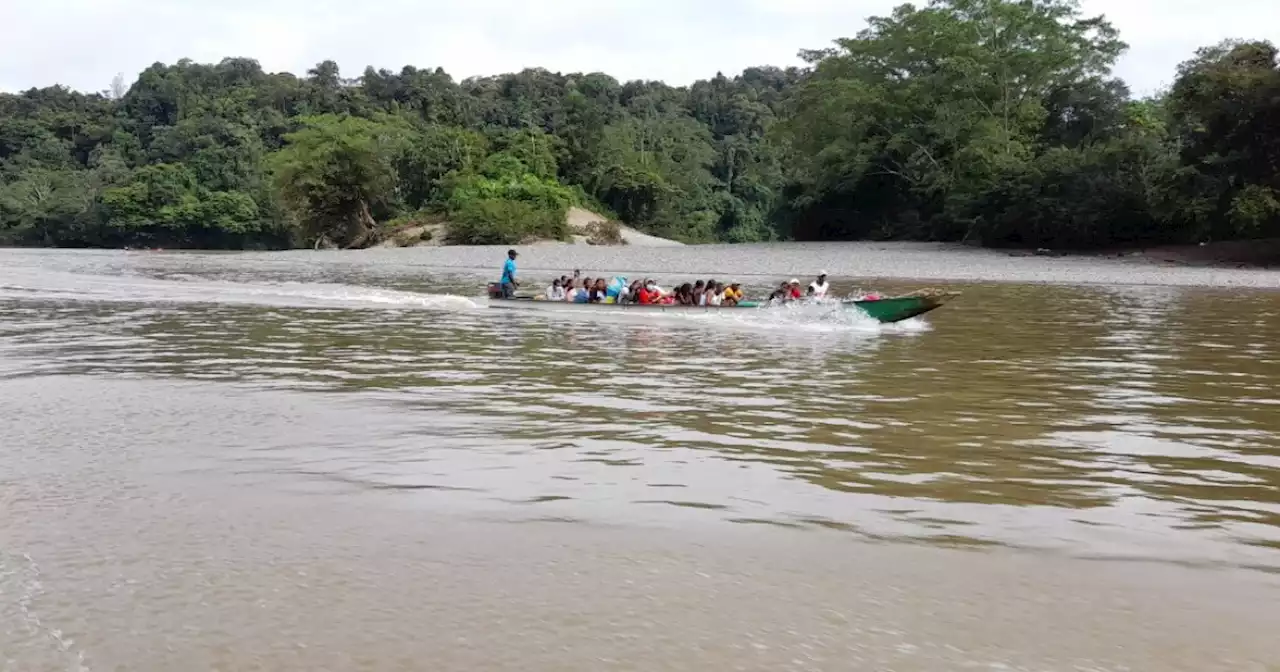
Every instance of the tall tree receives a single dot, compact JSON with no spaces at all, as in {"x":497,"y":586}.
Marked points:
{"x":919,"y":112}
{"x":335,"y":173}
{"x":1225,"y":109}
{"x":995,"y":121}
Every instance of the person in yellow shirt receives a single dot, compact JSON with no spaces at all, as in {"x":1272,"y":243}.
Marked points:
{"x":733,"y":294}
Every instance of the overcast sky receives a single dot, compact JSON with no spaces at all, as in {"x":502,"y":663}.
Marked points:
{"x":84,"y":43}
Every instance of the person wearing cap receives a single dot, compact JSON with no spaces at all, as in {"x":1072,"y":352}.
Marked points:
{"x":793,"y":288}
{"x":508,"y":281}
{"x":733,"y":294}
{"x":818,"y":288}
{"x":649,"y":293}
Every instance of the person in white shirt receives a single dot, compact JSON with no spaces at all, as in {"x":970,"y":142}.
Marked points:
{"x":555,"y":292}
{"x":715,"y":297}
{"x":818,"y":288}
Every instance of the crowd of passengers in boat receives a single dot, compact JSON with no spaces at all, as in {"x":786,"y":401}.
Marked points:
{"x":577,"y":289}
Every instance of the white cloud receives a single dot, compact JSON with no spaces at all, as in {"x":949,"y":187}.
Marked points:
{"x":84,"y":43}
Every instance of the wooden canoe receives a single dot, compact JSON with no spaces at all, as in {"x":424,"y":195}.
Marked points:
{"x":886,"y":310}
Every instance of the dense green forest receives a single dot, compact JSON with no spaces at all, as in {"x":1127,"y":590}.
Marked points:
{"x":987,"y":121}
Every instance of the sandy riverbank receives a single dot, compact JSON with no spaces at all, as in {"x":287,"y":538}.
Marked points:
{"x":580,"y":220}
{"x":1263,"y":253}
{"x":1237,"y":254}
{"x":866,"y":265}
{"x":851,"y":265}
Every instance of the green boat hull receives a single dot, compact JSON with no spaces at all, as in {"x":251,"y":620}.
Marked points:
{"x":886,"y":310}
{"x":896,"y":309}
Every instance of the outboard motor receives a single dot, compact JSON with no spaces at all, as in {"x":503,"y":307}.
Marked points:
{"x":495,"y":290}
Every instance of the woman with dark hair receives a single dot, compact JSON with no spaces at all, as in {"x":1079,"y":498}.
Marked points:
{"x":630,"y":293}
{"x":571,"y":291}
{"x":684,"y":295}
{"x":710,"y":295}
{"x":599,"y":292}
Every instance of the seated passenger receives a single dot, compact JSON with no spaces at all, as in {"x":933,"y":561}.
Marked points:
{"x":630,"y":293}
{"x":781,"y":294}
{"x":582,"y":293}
{"x":556,"y":291}
{"x":710,"y":297}
{"x":599,"y":292}
{"x":655,"y":291}
{"x":794,"y":288}
{"x":571,"y":291}
{"x":818,"y":288}
{"x":684,"y":295}
{"x":733,"y":294}
{"x":648,"y":294}
{"x":715,"y":297}
{"x":699,"y":289}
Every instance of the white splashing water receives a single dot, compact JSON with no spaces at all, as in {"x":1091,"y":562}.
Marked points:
{"x":796,"y":318}
{"x":119,"y":288}
{"x":20,"y":581}
{"x":826,"y":317}
{"x":810,"y":319}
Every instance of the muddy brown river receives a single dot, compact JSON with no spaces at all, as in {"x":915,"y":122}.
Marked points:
{"x":347,"y":461}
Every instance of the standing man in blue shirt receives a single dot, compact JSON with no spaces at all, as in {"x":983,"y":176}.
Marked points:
{"x":508,"y":281}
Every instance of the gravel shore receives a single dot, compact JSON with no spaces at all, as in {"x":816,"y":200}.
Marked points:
{"x":864,"y":262}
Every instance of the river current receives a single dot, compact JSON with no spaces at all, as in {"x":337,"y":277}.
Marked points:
{"x":347,"y":461}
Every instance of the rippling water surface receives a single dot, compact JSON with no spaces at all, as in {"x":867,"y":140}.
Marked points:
{"x":295,"y":461}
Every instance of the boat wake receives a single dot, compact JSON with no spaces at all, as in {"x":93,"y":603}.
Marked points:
{"x":184,"y":288}
{"x":795,"y":319}
{"x":827,"y":317}
{"x":193,"y":289}
{"x":21,"y":586}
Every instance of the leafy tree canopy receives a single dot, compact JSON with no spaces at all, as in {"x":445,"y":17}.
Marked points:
{"x":990,"y":120}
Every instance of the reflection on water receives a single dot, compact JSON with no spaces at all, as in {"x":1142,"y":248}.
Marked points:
{"x":1107,"y":422}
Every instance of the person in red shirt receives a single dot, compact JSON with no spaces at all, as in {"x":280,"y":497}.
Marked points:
{"x":794,"y":291}
{"x":648,"y":293}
